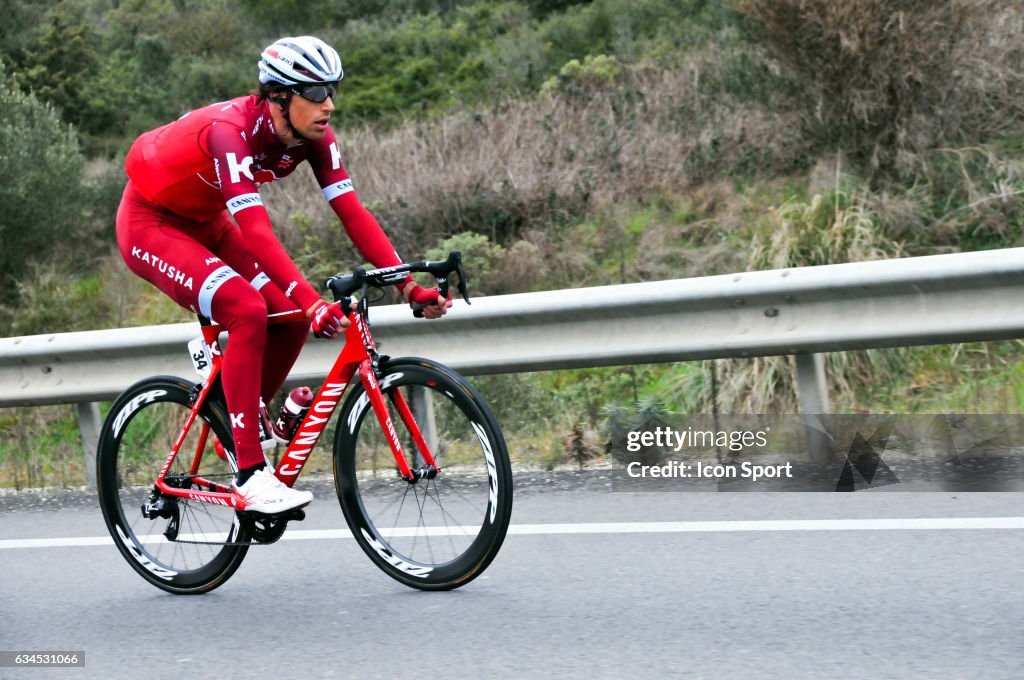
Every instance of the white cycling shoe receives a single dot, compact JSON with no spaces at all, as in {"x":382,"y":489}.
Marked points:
{"x":265,"y":493}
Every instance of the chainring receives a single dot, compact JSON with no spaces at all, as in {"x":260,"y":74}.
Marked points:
{"x":265,"y":530}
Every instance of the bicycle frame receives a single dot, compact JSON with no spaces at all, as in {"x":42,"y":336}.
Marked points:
{"x":359,"y":355}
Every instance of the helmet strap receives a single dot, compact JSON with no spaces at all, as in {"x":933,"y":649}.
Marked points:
{"x":284,"y":101}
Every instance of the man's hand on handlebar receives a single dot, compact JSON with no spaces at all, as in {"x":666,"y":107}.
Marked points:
{"x":427,"y":300}
{"x":326,"y":319}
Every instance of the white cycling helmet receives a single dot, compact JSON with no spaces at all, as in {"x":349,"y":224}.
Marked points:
{"x":301,"y":60}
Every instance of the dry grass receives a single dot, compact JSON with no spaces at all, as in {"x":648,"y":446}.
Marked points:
{"x":829,"y":229}
{"x":40,"y":446}
{"x":886,"y":79}
{"x":562,"y":158}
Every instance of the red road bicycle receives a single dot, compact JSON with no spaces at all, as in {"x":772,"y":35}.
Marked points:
{"x":426,"y":494}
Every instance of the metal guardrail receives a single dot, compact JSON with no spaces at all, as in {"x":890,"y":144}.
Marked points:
{"x":886,"y":303}
{"x":802,"y":311}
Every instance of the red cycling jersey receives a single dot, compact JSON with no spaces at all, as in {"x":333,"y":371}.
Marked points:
{"x":217,"y":157}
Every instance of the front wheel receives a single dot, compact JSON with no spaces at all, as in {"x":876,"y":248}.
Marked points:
{"x":437,"y":533}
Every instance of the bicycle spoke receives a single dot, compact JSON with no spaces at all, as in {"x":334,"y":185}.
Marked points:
{"x":398,"y":514}
{"x":455,"y":491}
{"x":444,"y":513}
{"x":422,"y":523}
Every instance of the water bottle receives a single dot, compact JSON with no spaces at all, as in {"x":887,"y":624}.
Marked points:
{"x":293,"y":410}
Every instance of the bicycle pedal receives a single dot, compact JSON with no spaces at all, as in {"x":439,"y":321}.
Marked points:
{"x":293,"y":515}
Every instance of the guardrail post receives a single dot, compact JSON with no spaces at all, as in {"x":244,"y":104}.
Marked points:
{"x":812,"y":387}
{"x":812,"y":390}
{"x":89,"y":426}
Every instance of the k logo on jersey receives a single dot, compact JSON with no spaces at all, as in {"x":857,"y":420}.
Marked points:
{"x":238,"y":169}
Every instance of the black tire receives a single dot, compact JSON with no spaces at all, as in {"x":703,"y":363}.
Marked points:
{"x":137,"y":436}
{"x":439,"y":533}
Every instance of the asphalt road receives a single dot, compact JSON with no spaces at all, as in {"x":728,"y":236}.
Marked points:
{"x":601,"y":595}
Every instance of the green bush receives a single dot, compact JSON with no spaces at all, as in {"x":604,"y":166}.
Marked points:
{"x":114,"y":69}
{"x":594,"y":72}
{"x":40,"y":181}
{"x":532,"y":52}
{"x":397,"y":70}
{"x":480,"y":255}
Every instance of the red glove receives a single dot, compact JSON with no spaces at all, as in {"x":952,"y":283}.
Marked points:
{"x":420,"y":298}
{"x":327,"y":319}
{"x":423,"y":296}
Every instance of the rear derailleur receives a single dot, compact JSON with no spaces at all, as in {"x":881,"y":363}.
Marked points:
{"x":166,"y":507}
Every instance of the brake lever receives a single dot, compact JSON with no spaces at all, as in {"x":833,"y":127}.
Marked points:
{"x":461,"y":286}
{"x":453,"y":264}
{"x":363,"y":306}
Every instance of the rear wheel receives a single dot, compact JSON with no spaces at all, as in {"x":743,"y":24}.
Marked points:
{"x":179,"y":545}
{"x":438,"y":533}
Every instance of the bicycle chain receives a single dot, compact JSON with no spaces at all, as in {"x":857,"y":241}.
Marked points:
{"x":253,"y":541}
{"x":222,"y":543}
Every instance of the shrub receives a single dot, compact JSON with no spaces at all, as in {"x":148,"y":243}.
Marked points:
{"x":592,"y":74}
{"x":621,"y":419}
{"x":886,"y":79}
{"x":480,"y":255}
{"x":40,"y":181}
{"x":55,"y":66}
{"x":492,"y":269}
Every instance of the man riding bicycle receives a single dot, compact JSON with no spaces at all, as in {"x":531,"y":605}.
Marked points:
{"x":174,"y":230}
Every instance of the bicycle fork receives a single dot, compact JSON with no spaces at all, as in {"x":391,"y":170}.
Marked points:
{"x":429,"y":468}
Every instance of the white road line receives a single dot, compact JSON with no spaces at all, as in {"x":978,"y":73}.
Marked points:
{"x":775,"y":525}
{"x":907,"y":524}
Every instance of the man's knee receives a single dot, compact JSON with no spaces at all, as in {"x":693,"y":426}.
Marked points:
{"x":236,"y":302}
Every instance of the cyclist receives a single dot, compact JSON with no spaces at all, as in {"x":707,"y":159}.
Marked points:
{"x":173,"y":231}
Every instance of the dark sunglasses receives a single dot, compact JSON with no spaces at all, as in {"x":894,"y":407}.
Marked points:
{"x":316,"y":93}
